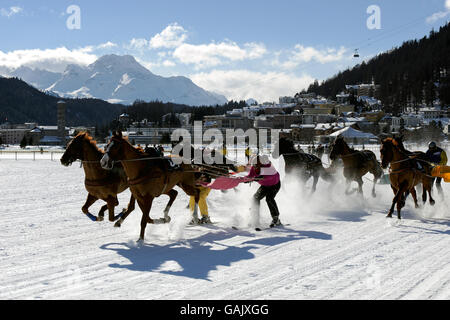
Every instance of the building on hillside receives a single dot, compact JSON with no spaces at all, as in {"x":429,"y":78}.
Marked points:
{"x":303,"y":133}
{"x":343,"y":98}
{"x":277,"y":121}
{"x":351,"y":135}
{"x":227,"y":121}
{"x":286,"y":100}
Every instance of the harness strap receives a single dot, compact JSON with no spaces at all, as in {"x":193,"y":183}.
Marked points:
{"x":140,"y":180}
{"x":101,"y":182}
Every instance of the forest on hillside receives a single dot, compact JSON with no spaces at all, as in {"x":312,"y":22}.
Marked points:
{"x":416,"y":73}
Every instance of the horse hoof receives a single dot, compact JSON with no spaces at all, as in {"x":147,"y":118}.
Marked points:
{"x":117,"y":225}
{"x":432,"y":202}
{"x":167,"y":219}
{"x":99,"y":218}
{"x":389,"y":216}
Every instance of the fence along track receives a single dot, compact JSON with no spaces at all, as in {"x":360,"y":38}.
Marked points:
{"x":30,"y":155}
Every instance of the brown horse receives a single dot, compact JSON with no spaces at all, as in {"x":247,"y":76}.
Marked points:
{"x":148,"y":177}
{"x":356,"y":163}
{"x":99,"y":183}
{"x":422,"y":163}
{"x":404,"y":174}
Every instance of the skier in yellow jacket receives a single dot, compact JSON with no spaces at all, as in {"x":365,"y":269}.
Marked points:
{"x":437,"y":156}
{"x":202,"y":204}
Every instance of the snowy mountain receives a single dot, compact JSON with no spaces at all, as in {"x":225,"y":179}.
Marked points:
{"x":122,"y":79}
{"x":116,"y":79}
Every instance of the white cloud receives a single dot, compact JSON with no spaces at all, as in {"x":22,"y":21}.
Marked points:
{"x":55,"y":60}
{"x":437,"y":16}
{"x":168,"y":63}
{"x":106,"y":45}
{"x":440,"y":14}
{"x":213,"y":54}
{"x":245,"y":84}
{"x":137,"y":44}
{"x":10,"y":12}
{"x":303,"y":54}
{"x":171,"y":37}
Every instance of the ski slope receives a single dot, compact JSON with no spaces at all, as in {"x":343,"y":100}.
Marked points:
{"x":335,"y":246}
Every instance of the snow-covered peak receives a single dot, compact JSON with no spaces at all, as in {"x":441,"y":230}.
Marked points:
{"x":122,"y":78}
{"x":113,"y":63}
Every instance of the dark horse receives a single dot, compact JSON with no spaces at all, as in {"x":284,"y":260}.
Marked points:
{"x":298,"y":162}
{"x":99,"y":183}
{"x":148,"y":177}
{"x":356,"y":164}
{"x":404,"y":174}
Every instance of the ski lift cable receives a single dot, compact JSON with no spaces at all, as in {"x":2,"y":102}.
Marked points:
{"x":368,"y":42}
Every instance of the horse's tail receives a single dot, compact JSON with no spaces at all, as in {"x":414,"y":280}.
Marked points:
{"x":378,"y":172}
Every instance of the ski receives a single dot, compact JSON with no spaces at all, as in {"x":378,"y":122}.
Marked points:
{"x":263,"y":228}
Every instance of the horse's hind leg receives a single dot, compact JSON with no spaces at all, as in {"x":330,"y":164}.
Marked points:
{"x":122,"y":216}
{"x":101,"y":213}
{"x":424,"y":192}
{"x":427,"y":185}
{"x":85,"y":209}
{"x":173,"y":195}
{"x":414,"y":195}
{"x":360,"y":184}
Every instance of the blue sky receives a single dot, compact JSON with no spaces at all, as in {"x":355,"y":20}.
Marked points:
{"x":243,"y":49}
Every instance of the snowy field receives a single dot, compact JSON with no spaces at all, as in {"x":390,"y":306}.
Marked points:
{"x":335,"y":246}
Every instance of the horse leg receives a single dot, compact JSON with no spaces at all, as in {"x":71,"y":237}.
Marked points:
{"x":347,"y":186}
{"x":424,"y":192}
{"x":101,"y":213}
{"x":360,"y":184}
{"x":374,"y":194}
{"x":112,"y":202}
{"x":314,"y":186}
{"x":414,"y":195}
{"x":428,"y":186}
{"x":123,"y":215}
{"x":145,"y":204}
{"x":195,"y":219}
{"x":391,"y":210}
{"x":400,"y":199}
{"x":173,"y":195}
{"x":85,"y":209}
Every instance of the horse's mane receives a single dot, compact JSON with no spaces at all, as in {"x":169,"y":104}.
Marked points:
{"x":85,"y":135}
{"x":340,"y":138}
{"x":138,"y":149}
{"x":394,"y":142}
{"x":288,"y":144}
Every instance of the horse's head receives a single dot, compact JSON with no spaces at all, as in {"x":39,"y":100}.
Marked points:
{"x":74,"y":150}
{"x":387,"y":151}
{"x":337,"y":148}
{"x":114,"y":151}
{"x":283,"y":146}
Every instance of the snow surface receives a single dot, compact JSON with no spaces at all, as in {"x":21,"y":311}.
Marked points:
{"x":335,"y":246}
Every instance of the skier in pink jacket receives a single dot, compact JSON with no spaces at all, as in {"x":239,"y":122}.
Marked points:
{"x":269,"y":179}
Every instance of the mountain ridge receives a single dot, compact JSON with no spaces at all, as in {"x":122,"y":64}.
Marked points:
{"x":118,"y":79}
